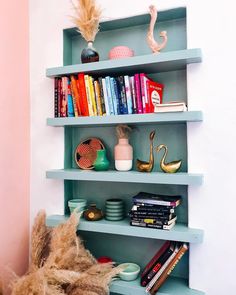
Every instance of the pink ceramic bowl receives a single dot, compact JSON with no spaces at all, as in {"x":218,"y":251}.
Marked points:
{"x":120,"y":52}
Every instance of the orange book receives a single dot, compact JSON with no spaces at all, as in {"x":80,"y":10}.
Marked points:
{"x":83,"y":96}
{"x":169,"y":269}
{"x":75,"y":94}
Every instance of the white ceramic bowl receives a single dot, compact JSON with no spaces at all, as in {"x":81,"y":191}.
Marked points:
{"x":131,"y":271}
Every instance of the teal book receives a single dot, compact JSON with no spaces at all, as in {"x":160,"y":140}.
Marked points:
{"x":70,"y":101}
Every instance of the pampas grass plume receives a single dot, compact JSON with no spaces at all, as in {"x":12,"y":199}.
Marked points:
{"x":87,"y":18}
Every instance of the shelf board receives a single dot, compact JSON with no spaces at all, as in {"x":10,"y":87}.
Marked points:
{"x":135,"y":119}
{"x":172,"y":286}
{"x":150,"y":63}
{"x":180,"y":232}
{"x":180,"y":178}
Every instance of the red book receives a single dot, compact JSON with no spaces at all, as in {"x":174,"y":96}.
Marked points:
{"x":83,"y":95}
{"x":154,"y":93}
{"x":153,"y":261}
{"x":138,"y":94}
{"x":75,"y":93}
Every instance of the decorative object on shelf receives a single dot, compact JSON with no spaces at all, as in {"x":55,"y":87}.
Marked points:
{"x":155,"y":47}
{"x":87,"y":18}
{"x":101,"y":163}
{"x":123,"y":151}
{"x":104,"y":259}
{"x":120,"y":52}
{"x":86,"y":152}
{"x":170,"y":167}
{"x":131,"y":271}
{"x":78,"y":204}
{"x":143,"y":166}
{"x":93,"y":213}
{"x":114,"y":209}
{"x":58,"y":257}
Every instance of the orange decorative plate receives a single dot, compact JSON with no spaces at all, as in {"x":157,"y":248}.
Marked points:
{"x":86,"y":152}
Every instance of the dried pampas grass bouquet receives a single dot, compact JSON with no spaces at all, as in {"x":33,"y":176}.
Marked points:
{"x":87,"y":18}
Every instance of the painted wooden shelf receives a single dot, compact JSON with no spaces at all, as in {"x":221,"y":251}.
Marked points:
{"x":180,"y":232}
{"x":135,"y":119}
{"x":172,"y":286}
{"x":181,"y":178}
{"x":150,"y":63}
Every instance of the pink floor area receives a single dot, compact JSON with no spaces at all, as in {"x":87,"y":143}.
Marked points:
{"x":15,"y":138}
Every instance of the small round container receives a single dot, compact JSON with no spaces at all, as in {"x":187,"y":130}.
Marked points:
{"x":79,"y":204}
{"x":120,"y":52}
{"x":130,"y":273}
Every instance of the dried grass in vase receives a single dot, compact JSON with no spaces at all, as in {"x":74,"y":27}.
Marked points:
{"x":88,"y":15}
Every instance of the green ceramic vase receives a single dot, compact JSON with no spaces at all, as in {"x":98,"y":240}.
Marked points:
{"x":101,"y":163}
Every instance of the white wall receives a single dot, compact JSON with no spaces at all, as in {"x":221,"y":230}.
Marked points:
{"x":211,"y":144}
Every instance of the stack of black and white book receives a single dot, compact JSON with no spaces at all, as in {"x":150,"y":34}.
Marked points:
{"x":154,"y":211}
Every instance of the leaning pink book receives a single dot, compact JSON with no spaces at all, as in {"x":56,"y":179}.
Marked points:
{"x":138,"y":94}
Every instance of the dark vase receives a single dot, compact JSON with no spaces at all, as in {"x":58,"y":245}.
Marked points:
{"x":89,"y":54}
{"x":93,"y":213}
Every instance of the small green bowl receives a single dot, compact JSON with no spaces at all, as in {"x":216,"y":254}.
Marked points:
{"x":114,"y":202}
{"x":130,"y":273}
{"x":79,"y":204}
{"x":114,"y":218}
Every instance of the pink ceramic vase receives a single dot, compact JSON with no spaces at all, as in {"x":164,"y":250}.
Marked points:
{"x":123,"y":153}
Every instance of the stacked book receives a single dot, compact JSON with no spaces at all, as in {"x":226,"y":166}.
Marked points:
{"x":84,"y":95}
{"x":161,"y":265}
{"x":154,"y":211}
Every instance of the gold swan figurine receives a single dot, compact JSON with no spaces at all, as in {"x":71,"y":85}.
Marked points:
{"x":171,"y":167}
{"x":143,"y":166}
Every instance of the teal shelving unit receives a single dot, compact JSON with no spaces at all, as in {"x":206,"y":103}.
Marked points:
{"x":169,"y":68}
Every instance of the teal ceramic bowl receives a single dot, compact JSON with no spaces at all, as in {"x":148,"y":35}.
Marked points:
{"x":114,"y":210}
{"x":131,"y":271}
{"x":114,"y":218}
{"x":79,"y":204}
{"x":115,"y":214}
{"x":114,"y":202}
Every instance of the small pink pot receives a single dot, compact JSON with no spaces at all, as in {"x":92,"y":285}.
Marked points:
{"x":120,"y":52}
{"x":123,"y":154}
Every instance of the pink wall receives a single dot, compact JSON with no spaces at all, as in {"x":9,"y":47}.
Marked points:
{"x":14,"y":132}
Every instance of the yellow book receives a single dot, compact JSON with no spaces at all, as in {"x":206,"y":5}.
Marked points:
{"x":98,"y":98}
{"x":89,"y":99}
{"x":92,"y":95}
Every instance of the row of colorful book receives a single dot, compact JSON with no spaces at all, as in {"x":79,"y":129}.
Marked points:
{"x":161,"y":265}
{"x":84,"y":95}
{"x":154,"y":211}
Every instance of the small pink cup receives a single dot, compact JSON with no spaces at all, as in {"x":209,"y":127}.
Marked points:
{"x":120,"y":52}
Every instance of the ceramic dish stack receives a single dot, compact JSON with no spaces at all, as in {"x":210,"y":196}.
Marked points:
{"x":115,"y":209}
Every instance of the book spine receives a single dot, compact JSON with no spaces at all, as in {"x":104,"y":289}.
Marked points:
{"x":98,"y":97}
{"x":124,"y":108}
{"x":128,"y":94}
{"x":75,"y":93}
{"x":157,"y":226}
{"x":55,"y":97}
{"x":159,"y":263}
{"x":138,"y":94}
{"x":63,"y":111}
{"x":156,"y":202}
{"x":73,"y":100}
{"x":161,"y":270}
{"x":70,"y":101}
{"x":59,"y":96}
{"x":83,"y":96}
{"x":92,"y":95}
{"x":133,"y":94}
{"x":154,"y":220}
{"x":102,"y":96}
{"x":113,"y":95}
{"x":161,"y":219}
{"x":109,"y":97}
{"x":105,"y":96}
{"x":90,"y":105}
{"x":117,"y":94}
{"x":158,"y":254}
{"x":169,"y":269}
{"x":146,"y":94}
{"x":142,"y":77}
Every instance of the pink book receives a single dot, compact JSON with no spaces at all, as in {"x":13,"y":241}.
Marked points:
{"x":138,"y":94}
{"x":143,"y":79}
